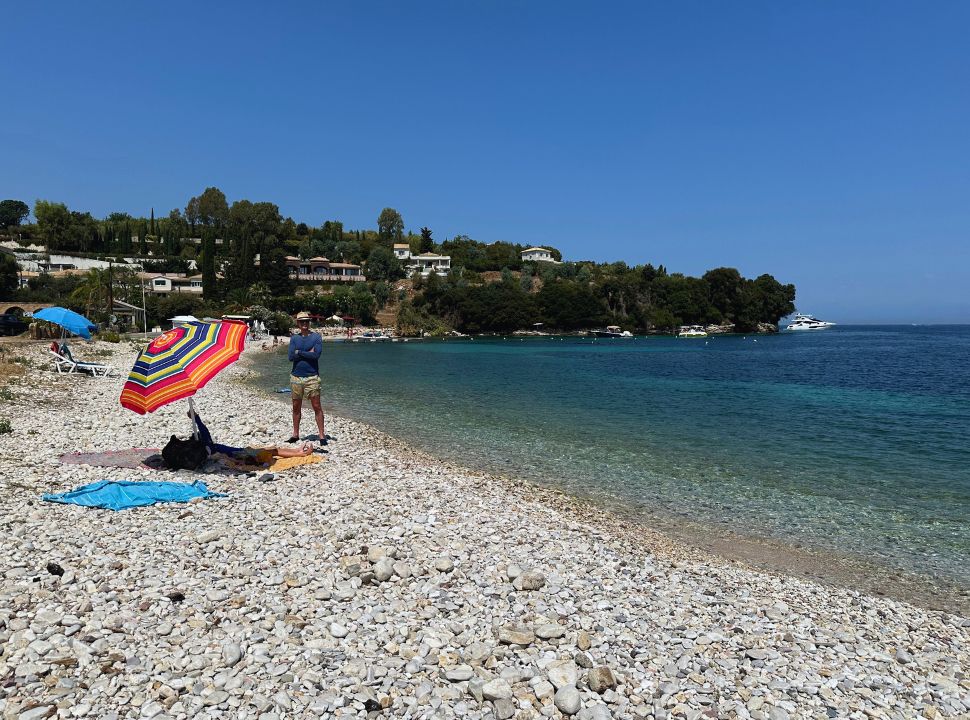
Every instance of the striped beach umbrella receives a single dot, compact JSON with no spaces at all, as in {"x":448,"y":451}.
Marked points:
{"x":178,"y":363}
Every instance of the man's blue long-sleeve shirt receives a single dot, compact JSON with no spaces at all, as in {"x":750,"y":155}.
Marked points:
{"x":305,"y":353}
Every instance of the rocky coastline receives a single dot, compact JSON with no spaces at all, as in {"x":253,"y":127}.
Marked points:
{"x":386,"y":583}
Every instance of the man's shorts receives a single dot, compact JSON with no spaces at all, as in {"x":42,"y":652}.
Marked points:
{"x":301,"y":387}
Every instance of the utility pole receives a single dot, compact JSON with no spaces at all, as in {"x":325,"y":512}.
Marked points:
{"x":111,"y":299}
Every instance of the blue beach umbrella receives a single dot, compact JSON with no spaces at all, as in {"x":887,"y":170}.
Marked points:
{"x":67,"y":319}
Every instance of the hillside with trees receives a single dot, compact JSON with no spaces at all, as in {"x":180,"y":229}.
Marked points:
{"x":240,"y":250}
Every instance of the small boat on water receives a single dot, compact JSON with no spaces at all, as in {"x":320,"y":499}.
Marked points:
{"x":372,"y":336}
{"x":691,"y":331}
{"x":611,"y":331}
{"x":808,"y":322}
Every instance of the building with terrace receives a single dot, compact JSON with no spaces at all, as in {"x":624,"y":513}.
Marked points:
{"x":320,"y":269}
{"x":538,"y":254}
{"x":426,"y":263}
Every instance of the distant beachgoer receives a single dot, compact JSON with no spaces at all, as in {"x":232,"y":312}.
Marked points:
{"x":55,"y":348}
{"x":66,"y":351}
{"x":304,"y":352}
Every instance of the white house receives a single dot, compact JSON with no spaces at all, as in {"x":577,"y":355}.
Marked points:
{"x":425,"y":263}
{"x":402,"y":251}
{"x":165,"y":283}
{"x":538,"y":254}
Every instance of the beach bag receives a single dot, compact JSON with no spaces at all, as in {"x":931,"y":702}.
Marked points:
{"x":184,"y":454}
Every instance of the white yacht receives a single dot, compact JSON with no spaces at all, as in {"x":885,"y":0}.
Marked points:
{"x":692,"y":331}
{"x":612,"y":331}
{"x":808,"y":322}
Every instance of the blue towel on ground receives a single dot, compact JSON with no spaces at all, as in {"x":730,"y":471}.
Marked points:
{"x":124,"y":494}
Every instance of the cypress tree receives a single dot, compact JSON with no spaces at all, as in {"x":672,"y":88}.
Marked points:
{"x":209,"y":265}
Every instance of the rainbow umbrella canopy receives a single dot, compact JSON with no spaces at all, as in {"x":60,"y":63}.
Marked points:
{"x":178,"y":363}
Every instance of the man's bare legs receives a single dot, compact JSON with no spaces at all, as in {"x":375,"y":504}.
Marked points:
{"x":318,"y":415}
{"x":297,"y":414}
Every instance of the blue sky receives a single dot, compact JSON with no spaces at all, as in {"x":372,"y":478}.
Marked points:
{"x":826,"y":143}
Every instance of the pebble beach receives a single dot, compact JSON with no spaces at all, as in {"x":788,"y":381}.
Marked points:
{"x":386,"y":583}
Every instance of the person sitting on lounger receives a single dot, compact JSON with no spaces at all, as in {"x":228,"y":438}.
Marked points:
{"x":249,"y":455}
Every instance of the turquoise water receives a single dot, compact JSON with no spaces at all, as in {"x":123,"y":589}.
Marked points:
{"x":852,"y":439}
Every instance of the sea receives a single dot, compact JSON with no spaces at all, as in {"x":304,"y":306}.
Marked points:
{"x":854,"y":441}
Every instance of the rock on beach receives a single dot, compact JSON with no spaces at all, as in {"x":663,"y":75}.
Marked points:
{"x":384,"y":581}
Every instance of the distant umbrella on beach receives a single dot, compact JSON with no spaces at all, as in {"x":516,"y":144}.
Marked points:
{"x":67,"y":319}
{"x":178,"y":363}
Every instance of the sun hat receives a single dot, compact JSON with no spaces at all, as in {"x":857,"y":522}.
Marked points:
{"x":302,"y":316}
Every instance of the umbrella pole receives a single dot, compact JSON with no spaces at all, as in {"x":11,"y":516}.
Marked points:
{"x":195,"y":426}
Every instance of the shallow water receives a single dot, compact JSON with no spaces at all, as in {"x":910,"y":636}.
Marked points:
{"x":852,"y":439}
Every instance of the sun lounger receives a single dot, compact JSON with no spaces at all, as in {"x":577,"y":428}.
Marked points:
{"x":64,"y":365}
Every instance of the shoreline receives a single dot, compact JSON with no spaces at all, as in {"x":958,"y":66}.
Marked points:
{"x":839,"y":569}
{"x":384,"y":579}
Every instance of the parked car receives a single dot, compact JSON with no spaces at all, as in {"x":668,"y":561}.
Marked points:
{"x":12,"y":325}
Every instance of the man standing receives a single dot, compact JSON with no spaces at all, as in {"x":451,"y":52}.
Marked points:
{"x":304,"y":353}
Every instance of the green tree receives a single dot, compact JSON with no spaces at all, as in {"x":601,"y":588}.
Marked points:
{"x":348,"y":251}
{"x":382,"y":293}
{"x":9,"y":281}
{"x":412,"y":320}
{"x":274,"y":272}
{"x":260,"y":293}
{"x":724,"y":288}
{"x":192,"y":214}
{"x":382,"y":265}
{"x":13,"y":213}
{"x":53,"y":223}
{"x":362,"y":303}
{"x":174,"y":231}
{"x":764,"y":300}
{"x":92,"y":293}
{"x":279,"y":323}
{"x":213,"y":210}
{"x":126,"y":238}
{"x":209,"y":264}
{"x":390,"y":226}
{"x":663,"y":320}
{"x":427,"y":243}
{"x":503,"y":254}
{"x":568,"y":305}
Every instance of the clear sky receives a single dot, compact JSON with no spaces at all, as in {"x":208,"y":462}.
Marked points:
{"x":826,"y":143}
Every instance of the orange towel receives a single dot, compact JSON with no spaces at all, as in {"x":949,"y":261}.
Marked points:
{"x":291,"y":462}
